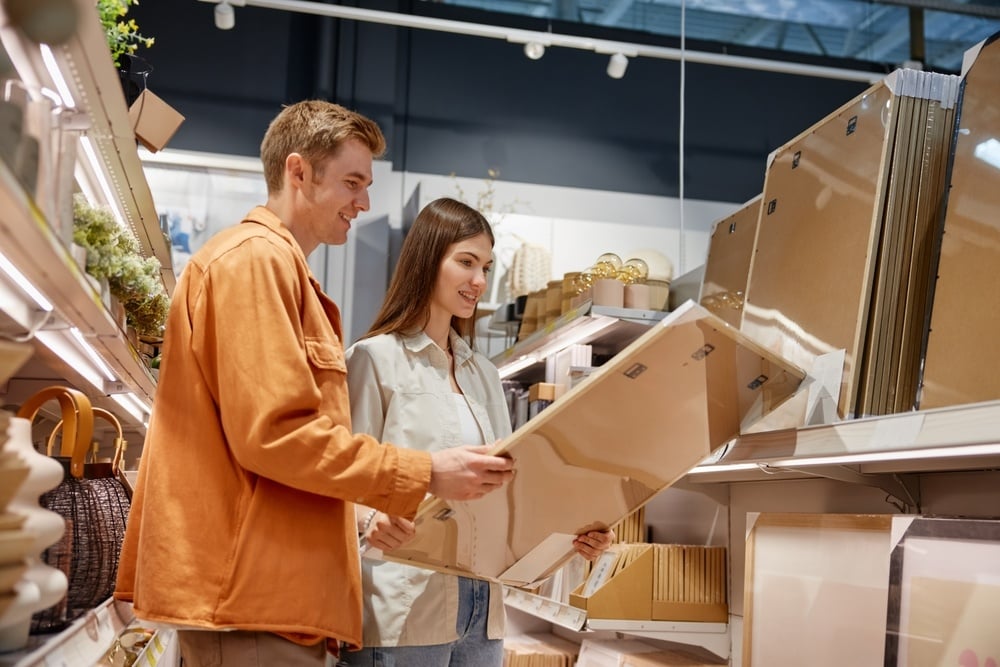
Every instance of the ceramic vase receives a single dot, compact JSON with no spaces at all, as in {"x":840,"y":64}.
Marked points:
{"x":41,"y":586}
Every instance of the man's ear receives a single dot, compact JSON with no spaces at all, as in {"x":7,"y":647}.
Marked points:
{"x":296,"y":170}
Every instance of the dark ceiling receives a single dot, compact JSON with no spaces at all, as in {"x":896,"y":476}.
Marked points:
{"x":935,"y":33}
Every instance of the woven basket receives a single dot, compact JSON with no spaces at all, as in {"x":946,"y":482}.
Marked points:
{"x":530,"y":270}
{"x":93,"y":502}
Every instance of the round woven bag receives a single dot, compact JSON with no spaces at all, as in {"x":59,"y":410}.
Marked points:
{"x":530,"y":270}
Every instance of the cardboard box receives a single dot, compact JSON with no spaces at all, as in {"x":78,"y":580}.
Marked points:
{"x":153,"y":120}
{"x":626,"y":595}
{"x":666,"y":582}
{"x":545,"y":391}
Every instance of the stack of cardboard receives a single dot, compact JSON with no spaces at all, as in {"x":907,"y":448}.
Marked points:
{"x":539,"y":650}
{"x":634,"y":653}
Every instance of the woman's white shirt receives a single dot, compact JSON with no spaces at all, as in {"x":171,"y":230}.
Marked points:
{"x":401,"y":393}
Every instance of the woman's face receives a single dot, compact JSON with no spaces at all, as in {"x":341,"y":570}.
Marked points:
{"x":461,"y":278}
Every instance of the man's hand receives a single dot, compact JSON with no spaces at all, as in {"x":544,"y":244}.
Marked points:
{"x":388,"y":532}
{"x":593,"y":544}
{"x":467,"y":473}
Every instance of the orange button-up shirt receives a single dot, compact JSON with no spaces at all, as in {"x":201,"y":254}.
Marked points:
{"x":243,"y":512}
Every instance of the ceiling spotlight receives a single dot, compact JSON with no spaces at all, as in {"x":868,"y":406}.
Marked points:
{"x":617,"y":66}
{"x":534,"y":50}
{"x":225,"y":16}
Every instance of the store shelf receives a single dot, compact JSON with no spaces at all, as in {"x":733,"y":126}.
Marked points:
{"x":80,"y":645}
{"x":964,"y":437}
{"x":545,"y":608}
{"x":607,"y":333}
{"x":87,"y":640}
{"x":77,"y":341}
{"x":713,"y":637}
{"x":33,"y":247}
{"x":96,"y":90}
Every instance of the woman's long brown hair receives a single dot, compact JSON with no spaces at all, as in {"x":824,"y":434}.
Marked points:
{"x":406,"y":307}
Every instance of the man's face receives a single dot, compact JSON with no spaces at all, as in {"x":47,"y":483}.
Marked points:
{"x":336,"y":191}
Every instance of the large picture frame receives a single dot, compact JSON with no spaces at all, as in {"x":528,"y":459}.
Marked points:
{"x":680,"y":391}
{"x":815,"y":589}
{"x":944,"y":593}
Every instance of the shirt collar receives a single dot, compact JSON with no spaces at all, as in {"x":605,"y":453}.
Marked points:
{"x":420,"y":341}
{"x":261,"y":215}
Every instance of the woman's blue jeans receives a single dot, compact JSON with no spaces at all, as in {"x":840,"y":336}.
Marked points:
{"x":471,"y":649}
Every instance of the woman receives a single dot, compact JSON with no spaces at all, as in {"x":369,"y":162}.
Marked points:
{"x":415,"y":379}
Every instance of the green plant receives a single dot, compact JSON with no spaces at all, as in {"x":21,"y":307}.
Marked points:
{"x":123,"y":35}
{"x":113,"y":254}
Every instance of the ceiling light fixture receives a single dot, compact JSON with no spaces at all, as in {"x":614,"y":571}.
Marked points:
{"x":617,"y":65}
{"x":225,"y":16}
{"x":534,"y":50}
{"x":553,"y":39}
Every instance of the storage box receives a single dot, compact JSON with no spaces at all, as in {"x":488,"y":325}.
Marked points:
{"x":625,"y":595}
{"x":153,"y":120}
{"x":664,"y":582}
{"x":689,"y":583}
{"x":545,"y":391}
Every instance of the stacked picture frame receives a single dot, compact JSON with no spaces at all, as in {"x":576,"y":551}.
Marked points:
{"x":843,"y":253}
{"x":962,"y":345}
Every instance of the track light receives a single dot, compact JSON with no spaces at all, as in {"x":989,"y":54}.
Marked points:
{"x":617,"y":65}
{"x":534,"y":50}
{"x":225,"y":16}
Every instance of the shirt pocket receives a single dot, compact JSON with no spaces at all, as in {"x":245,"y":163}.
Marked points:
{"x":326,"y":354}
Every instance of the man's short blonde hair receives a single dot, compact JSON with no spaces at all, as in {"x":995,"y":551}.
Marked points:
{"x":316,"y":130}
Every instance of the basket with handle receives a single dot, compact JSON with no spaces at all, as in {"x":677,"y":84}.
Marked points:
{"x":93,"y":502}
{"x":94,"y":468}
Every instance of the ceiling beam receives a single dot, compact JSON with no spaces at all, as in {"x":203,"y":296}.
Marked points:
{"x":949,"y":6}
{"x":879,"y":49}
{"x":614,"y":12}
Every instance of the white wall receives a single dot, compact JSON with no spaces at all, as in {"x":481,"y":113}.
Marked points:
{"x":575,"y":225}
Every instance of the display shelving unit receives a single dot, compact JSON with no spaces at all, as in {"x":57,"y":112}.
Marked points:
{"x":47,"y":299}
{"x":77,"y":340}
{"x":608,"y":330}
{"x":920,"y":459}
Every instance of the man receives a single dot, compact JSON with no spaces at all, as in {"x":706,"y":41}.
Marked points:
{"x":242,"y":532}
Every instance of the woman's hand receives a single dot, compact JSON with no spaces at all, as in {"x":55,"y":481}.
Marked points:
{"x":388,"y":532}
{"x":593,"y":544}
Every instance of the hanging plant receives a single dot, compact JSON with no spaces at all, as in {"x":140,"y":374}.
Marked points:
{"x":123,"y":35}
{"x":113,"y":254}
